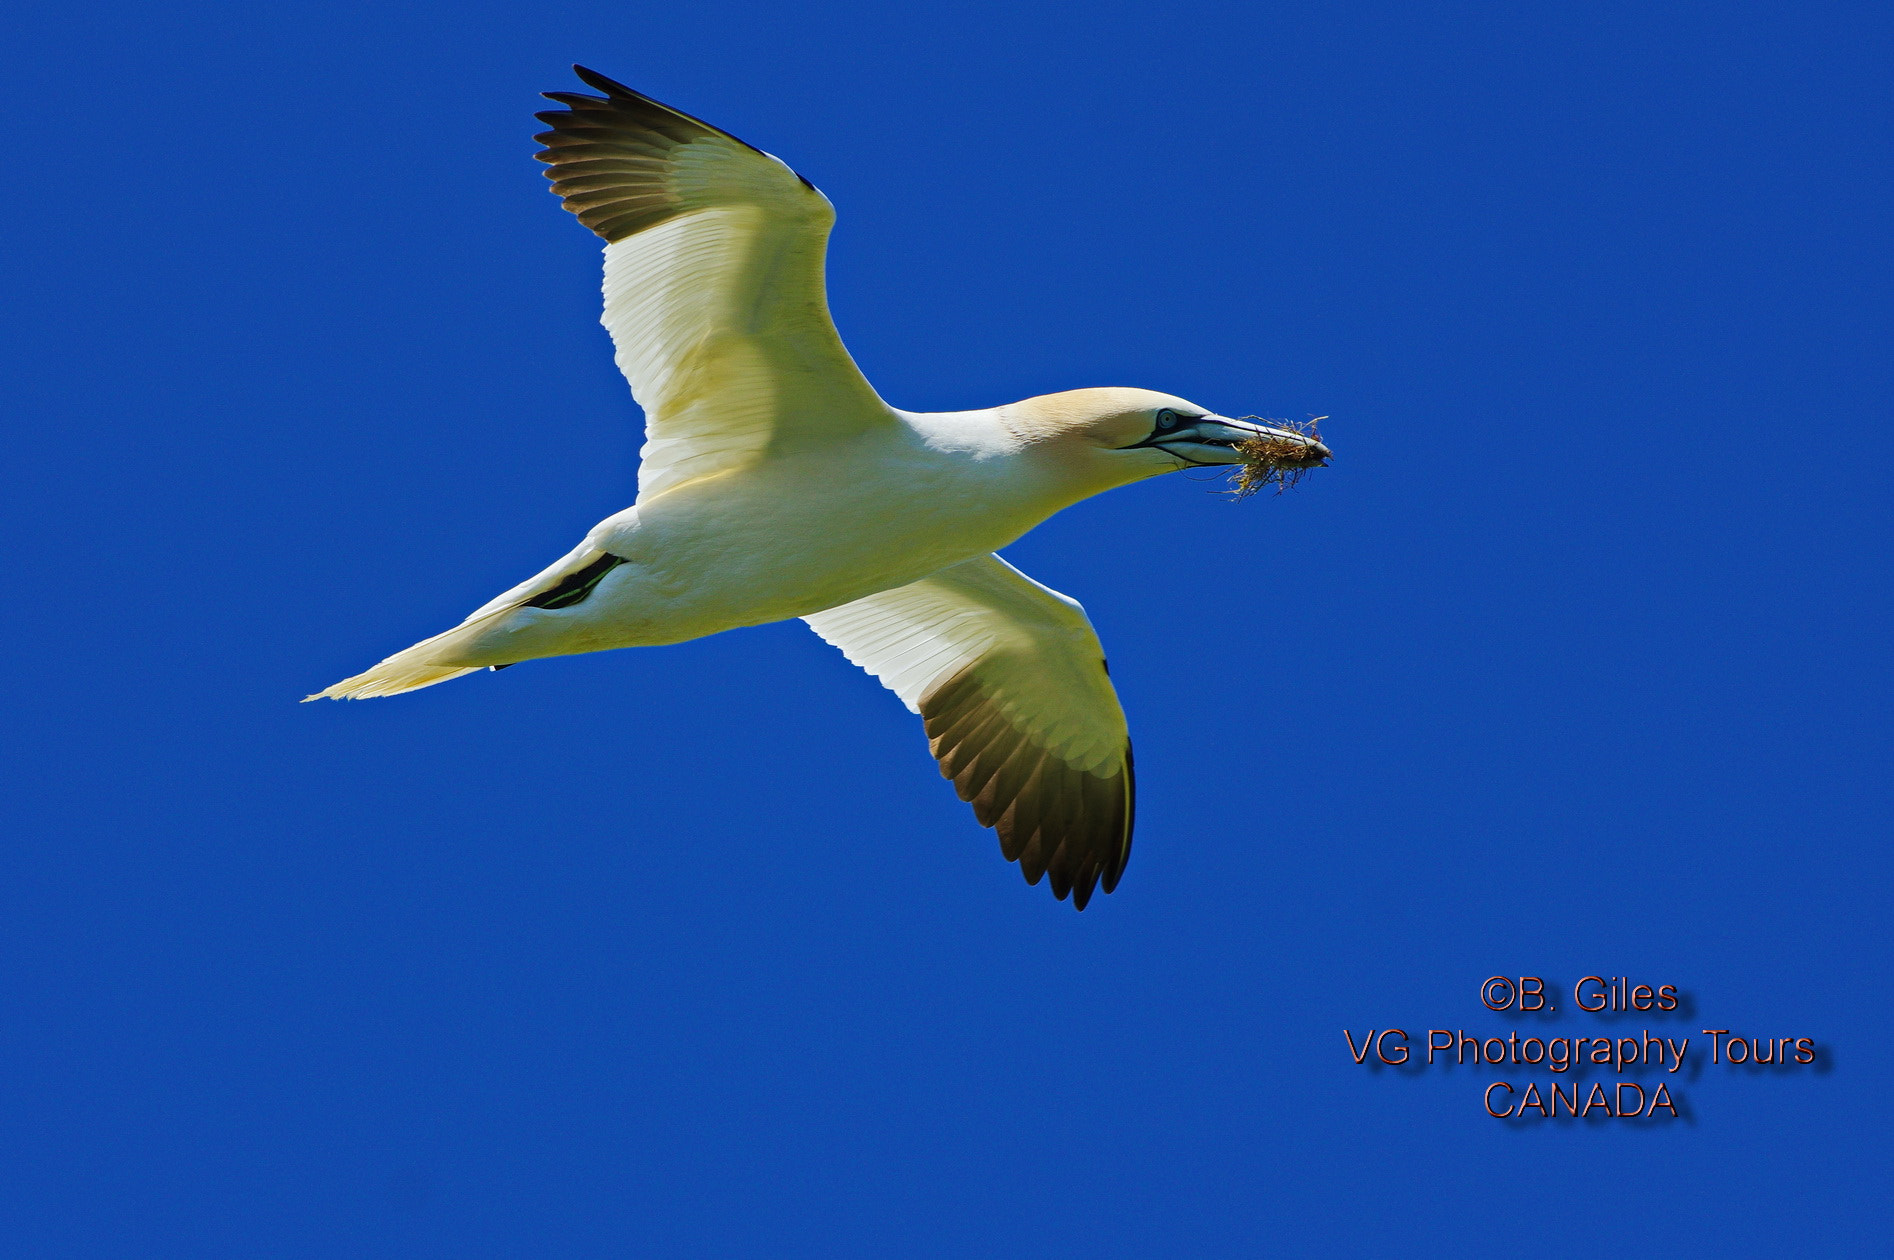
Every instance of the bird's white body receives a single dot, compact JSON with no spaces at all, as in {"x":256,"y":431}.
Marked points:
{"x":775,"y":483}
{"x":789,"y":537}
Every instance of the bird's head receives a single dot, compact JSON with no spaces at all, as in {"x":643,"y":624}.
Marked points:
{"x":1111,"y":437}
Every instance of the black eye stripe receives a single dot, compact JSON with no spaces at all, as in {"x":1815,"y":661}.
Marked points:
{"x":1168,"y":419}
{"x":1165,"y":425}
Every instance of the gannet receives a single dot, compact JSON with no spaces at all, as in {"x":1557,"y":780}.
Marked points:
{"x":775,"y":483}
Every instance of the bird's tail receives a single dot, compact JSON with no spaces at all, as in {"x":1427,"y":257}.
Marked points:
{"x":465,"y":649}
{"x":410,"y":669}
{"x":407,"y":670}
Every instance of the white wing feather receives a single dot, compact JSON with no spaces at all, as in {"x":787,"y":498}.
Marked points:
{"x":1010,"y":680}
{"x":714,"y":288}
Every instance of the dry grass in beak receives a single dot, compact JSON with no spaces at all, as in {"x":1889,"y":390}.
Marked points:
{"x":1274,"y":460}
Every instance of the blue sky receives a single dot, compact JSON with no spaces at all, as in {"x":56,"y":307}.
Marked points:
{"x":1574,"y":663}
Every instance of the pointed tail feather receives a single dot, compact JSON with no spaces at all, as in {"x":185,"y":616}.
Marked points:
{"x":391,"y":678}
{"x":446,"y":655}
{"x":419,"y":666}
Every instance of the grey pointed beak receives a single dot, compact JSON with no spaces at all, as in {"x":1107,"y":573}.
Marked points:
{"x":1220,"y":434}
{"x":1227,"y":432}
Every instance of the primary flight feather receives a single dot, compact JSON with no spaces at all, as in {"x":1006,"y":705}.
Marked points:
{"x":776,"y":483}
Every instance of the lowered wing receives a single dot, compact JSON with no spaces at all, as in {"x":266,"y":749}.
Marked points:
{"x":1010,"y":680}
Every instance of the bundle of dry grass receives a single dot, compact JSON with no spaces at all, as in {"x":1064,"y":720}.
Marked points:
{"x":1278,"y":461}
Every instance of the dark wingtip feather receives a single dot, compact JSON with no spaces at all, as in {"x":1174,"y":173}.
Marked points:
{"x":632,"y":122}
{"x":1052,"y":818}
{"x":1115,"y":867}
{"x":611,"y":87}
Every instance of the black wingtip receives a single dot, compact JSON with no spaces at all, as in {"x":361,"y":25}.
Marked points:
{"x":1116,"y":869}
{"x":616,"y":91}
{"x":611,"y":87}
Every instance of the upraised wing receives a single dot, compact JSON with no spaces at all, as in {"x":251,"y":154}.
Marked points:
{"x":1010,"y":680}
{"x":714,"y":290}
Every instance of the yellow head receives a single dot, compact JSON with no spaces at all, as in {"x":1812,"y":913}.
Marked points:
{"x":1099,"y":438}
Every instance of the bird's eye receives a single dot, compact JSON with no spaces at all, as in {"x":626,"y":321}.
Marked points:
{"x":1166,"y":420}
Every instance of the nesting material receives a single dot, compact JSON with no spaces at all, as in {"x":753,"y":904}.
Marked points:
{"x":1277,"y":461}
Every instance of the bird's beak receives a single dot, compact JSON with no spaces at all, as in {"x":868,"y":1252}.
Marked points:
{"x":1213,"y":440}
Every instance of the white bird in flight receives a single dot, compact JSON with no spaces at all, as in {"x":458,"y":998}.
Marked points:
{"x":776,"y":483}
